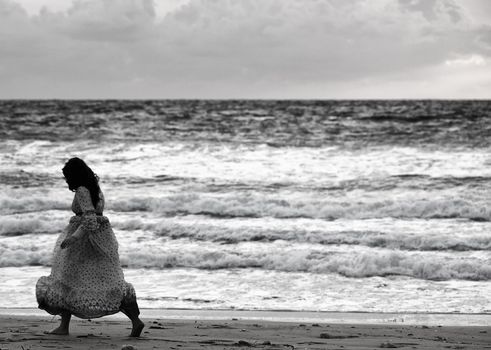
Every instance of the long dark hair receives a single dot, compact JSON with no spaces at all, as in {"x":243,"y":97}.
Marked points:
{"x":77,"y":174}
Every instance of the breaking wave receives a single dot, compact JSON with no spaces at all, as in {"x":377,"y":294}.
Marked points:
{"x":368,"y":264}
{"x":358,"y":263}
{"x":234,"y":234}
{"x":256,"y":206}
{"x":253,"y":205}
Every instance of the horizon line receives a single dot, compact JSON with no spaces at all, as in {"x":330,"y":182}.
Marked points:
{"x":240,"y":99}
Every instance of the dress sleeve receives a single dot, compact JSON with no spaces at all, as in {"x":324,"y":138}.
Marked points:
{"x":89,"y":220}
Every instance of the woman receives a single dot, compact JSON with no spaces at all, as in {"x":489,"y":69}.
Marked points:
{"x":86,"y":277}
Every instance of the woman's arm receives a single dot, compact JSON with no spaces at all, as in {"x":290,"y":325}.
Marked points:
{"x":79,"y":233}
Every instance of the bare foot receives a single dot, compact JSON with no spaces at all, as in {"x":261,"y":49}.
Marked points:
{"x":137,"y":328}
{"x":58,"y":331}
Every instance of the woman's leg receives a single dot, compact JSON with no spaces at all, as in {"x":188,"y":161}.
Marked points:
{"x":62,"y":329}
{"x":130,"y":308}
{"x":132,"y":311}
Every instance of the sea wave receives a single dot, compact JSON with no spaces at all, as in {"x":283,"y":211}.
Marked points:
{"x":354,"y":265}
{"x":256,"y":206}
{"x":358,"y":263}
{"x":17,"y":226}
{"x":413,"y":237}
{"x":278,"y":123}
{"x":10,"y":204}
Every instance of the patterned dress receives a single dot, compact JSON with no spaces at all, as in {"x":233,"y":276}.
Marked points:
{"x":86,"y":277}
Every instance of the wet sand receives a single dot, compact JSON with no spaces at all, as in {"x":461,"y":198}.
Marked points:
{"x":27,"y":332}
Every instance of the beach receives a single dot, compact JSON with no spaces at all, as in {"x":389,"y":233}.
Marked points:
{"x":27,"y":332}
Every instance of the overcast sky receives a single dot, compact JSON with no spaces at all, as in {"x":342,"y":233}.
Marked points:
{"x":245,"y":49}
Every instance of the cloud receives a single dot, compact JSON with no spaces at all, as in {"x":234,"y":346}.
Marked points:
{"x":472,"y":60}
{"x":232,"y":48}
{"x":108,"y":20}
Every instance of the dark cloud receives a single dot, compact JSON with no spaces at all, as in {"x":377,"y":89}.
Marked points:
{"x":232,"y":48}
{"x":432,"y":9}
{"x":108,"y":20}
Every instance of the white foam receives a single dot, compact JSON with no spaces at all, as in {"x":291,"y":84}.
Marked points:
{"x":354,"y":262}
{"x":252,"y":289}
{"x":308,"y":205}
{"x":29,"y":223}
{"x":437,"y":250}
{"x":139,"y":251}
{"x":252,"y":203}
{"x":390,"y":233}
{"x":247,"y":162}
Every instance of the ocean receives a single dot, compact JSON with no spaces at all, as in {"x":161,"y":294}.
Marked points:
{"x":348,"y":206}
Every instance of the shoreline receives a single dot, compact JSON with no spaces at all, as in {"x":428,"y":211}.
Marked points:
{"x":378,"y":318}
{"x":27,"y":332}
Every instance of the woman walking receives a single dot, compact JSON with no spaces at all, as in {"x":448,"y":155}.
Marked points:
{"x":86,"y":278}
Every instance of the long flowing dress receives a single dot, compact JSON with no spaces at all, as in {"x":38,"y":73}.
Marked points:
{"x":86,"y":277}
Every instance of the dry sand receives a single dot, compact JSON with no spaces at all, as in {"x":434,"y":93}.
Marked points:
{"x":26,"y":332}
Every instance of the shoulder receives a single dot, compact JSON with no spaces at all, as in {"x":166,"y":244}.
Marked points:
{"x":82,"y":190}
{"x":82,"y":196}
{"x":82,"y":193}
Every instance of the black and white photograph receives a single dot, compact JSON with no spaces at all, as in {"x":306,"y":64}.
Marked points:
{"x":245,"y":174}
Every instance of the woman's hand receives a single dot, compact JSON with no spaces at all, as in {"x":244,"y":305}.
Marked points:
{"x":67,"y":242}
